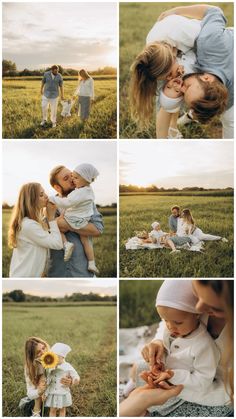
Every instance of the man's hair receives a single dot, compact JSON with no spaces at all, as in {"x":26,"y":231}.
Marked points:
{"x":54,"y":66}
{"x":175,"y":207}
{"x":213,"y":102}
{"x":53,"y":175}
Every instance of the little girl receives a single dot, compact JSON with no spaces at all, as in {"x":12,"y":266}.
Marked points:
{"x":78,"y":207}
{"x":159,"y":236}
{"x":190,"y":352}
{"x":58,"y":396}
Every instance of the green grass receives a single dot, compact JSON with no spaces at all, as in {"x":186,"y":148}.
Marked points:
{"x":104,"y":246}
{"x":91,"y":333}
{"x":214,"y":215}
{"x":22,"y":111}
{"x":136,"y":20}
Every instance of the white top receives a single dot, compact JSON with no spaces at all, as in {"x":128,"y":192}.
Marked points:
{"x":79,"y":203}
{"x":55,"y":376}
{"x":32,"y":391}
{"x":157,"y":234}
{"x":30,"y":256}
{"x":183,"y":228}
{"x":195,"y":361}
{"x":86,"y":88}
{"x":178,"y":31}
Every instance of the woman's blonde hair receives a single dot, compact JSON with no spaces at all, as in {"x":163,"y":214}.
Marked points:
{"x":27,"y":205}
{"x":31,"y":366}
{"x":225,"y":289}
{"x":186,"y":214}
{"x":84,"y":74}
{"x":152,"y":64}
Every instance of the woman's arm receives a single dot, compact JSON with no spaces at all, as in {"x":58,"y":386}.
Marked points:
{"x":34,"y":232}
{"x":162,"y":123}
{"x":197,"y":11}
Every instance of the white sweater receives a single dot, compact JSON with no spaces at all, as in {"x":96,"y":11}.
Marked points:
{"x":195,"y":362}
{"x":30,"y":256}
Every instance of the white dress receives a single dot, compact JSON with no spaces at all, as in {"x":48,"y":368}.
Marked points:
{"x":57,"y":394}
{"x":33,"y":242}
{"x":79,"y":206}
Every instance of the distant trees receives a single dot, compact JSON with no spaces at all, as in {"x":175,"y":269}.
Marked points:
{"x":154,"y":188}
{"x":8,"y":68}
{"x":18,"y":296}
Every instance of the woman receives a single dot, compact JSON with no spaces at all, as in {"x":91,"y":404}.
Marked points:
{"x":30,"y":235}
{"x":34,"y":377}
{"x":85,"y":92}
{"x":216,"y":299}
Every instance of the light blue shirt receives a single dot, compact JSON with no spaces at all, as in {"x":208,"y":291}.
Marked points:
{"x":51,"y":85}
{"x":173,"y":221}
{"x":215,"y":49}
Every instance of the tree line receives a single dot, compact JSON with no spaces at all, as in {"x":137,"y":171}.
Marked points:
{"x":154,"y":188}
{"x":9,"y":69}
{"x":18,"y":296}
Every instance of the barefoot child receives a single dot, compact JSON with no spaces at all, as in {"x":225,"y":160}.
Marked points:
{"x":159,"y":236}
{"x":58,"y":396}
{"x":78,"y":207}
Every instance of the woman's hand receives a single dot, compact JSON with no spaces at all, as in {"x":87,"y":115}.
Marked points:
{"x":66,"y":381}
{"x":153,"y":352}
{"x":51,"y":211}
{"x":142,"y":398}
{"x":41,"y":386}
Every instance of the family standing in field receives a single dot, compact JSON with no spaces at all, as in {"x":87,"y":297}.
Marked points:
{"x":183,"y":234}
{"x":53,"y":82}
{"x":51,"y":236}
{"x":188,"y":60}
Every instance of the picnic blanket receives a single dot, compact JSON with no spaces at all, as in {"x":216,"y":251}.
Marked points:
{"x":134,"y":243}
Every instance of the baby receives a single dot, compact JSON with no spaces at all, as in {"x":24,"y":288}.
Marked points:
{"x":66,"y":107}
{"x":190,"y":352}
{"x":160,"y":237}
{"x":78,"y":206}
{"x":171,"y":97}
{"x":58,"y":396}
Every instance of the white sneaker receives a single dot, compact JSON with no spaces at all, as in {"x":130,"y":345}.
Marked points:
{"x":68,"y":250}
{"x":92,"y":267}
{"x":129,"y":386}
{"x":54,"y":125}
{"x":43,"y":123}
{"x":224,"y":240}
{"x":174,"y":133}
{"x":174,"y":251}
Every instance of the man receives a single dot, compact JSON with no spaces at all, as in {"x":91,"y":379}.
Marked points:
{"x":173,"y":224}
{"x":77,"y":266}
{"x":211,"y":91}
{"x":51,"y":83}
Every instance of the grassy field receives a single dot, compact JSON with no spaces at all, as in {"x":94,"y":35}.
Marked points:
{"x":213,"y":215}
{"x":104,"y":246}
{"x":22,"y":111}
{"x":91,"y":333}
{"x":136,"y":20}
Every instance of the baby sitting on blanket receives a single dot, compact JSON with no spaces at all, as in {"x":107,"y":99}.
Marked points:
{"x":66,"y":107}
{"x":160,"y":237}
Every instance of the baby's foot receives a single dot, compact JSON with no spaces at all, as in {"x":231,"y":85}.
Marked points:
{"x":224,"y":240}
{"x":68,"y":250}
{"x":174,"y":251}
{"x":92,"y":267}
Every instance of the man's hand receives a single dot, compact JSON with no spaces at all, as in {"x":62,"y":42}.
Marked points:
{"x":62,"y":224}
{"x":167,"y":13}
{"x":153,"y":352}
{"x":41,"y":386}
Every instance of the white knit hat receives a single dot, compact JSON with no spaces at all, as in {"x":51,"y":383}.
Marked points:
{"x":177,"y":293}
{"x":171,"y":105}
{"x":61,"y":349}
{"x":87,"y":171}
{"x":155,"y":224}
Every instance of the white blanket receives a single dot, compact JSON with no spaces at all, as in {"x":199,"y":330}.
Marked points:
{"x":134,"y":243}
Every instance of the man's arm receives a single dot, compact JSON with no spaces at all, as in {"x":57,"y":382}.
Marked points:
{"x":197,"y":11}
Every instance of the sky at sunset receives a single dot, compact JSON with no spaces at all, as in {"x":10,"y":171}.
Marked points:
{"x":177,"y":164}
{"x":75,"y":35}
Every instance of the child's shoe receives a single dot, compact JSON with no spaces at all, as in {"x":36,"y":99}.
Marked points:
{"x":92,"y":267}
{"x":129,"y":386}
{"x":68,"y":250}
{"x":43,"y":123}
{"x":174,"y":251}
{"x":224,"y":240}
{"x":54,"y":125}
{"x":174,"y":133}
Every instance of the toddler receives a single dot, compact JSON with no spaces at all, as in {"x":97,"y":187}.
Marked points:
{"x":78,"y":206}
{"x":159,"y":236}
{"x":58,"y":396}
{"x":66,"y":107}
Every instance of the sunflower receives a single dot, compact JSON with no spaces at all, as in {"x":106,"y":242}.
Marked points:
{"x":49,"y":360}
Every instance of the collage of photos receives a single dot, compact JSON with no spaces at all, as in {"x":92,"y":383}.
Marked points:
{"x":117,"y":209}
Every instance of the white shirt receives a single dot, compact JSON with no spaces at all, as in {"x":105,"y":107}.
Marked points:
{"x":55,"y":376}
{"x":79,"y":203}
{"x":30,"y":256}
{"x":86,"y":88}
{"x":195,"y":361}
{"x":183,"y":228}
{"x":157,"y":234}
{"x":178,"y":31}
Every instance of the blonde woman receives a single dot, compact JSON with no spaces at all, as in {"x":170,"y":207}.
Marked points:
{"x":85,"y":93}
{"x":30,"y":234}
